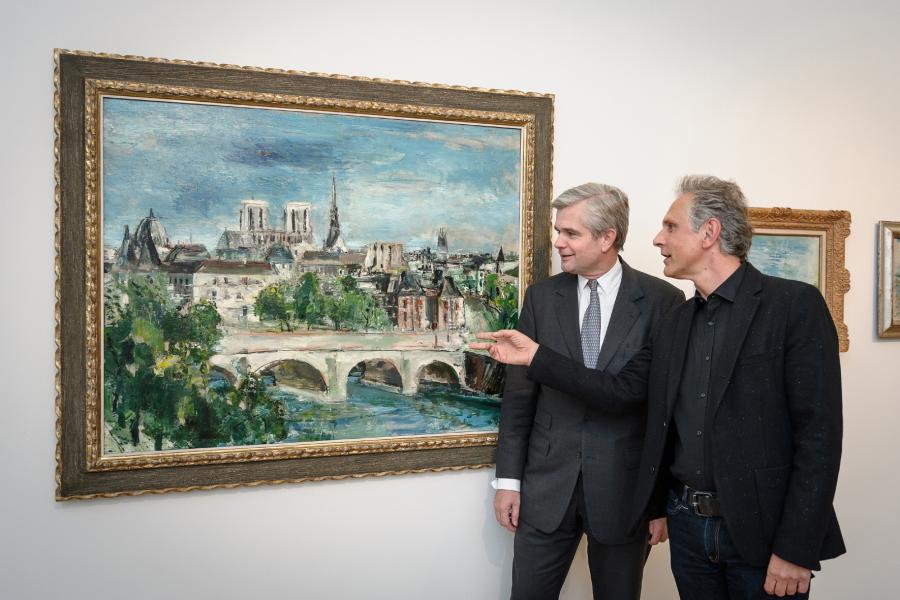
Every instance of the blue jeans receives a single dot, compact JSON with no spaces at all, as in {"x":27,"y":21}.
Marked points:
{"x":705,"y":563}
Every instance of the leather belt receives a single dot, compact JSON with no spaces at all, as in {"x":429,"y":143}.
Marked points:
{"x":704,"y":504}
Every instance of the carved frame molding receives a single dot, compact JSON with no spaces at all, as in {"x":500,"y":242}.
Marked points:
{"x":81,"y":80}
{"x":834,"y":227}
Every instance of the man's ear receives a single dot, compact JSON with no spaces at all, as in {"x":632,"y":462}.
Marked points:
{"x":608,"y":239}
{"x":710,"y":230}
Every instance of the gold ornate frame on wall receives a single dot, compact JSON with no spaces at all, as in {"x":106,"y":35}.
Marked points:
{"x":82,"y":79}
{"x":888,"y":317}
{"x":832,"y":228}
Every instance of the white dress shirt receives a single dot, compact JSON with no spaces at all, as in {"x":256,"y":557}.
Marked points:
{"x":607,"y":290}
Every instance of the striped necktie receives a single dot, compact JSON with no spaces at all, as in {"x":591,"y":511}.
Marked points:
{"x":590,"y":329}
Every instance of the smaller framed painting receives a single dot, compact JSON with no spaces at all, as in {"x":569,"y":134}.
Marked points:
{"x":889,"y":279}
{"x":806,"y":245}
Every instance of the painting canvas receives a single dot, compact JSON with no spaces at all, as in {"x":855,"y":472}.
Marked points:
{"x":790,"y":256}
{"x":808,"y":246}
{"x":284,"y":271}
{"x":277,"y":276}
{"x":888,"y":311}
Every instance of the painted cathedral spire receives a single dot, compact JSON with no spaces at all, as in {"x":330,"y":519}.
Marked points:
{"x":334,"y":241}
{"x":442,"y":247}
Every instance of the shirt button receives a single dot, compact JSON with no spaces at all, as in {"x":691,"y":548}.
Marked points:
{"x":653,"y":469}
{"x":699,"y":433}
{"x":703,"y":394}
{"x":664,"y":423}
{"x":707,"y":358}
{"x":709,"y":323}
{"x":699,"y":472}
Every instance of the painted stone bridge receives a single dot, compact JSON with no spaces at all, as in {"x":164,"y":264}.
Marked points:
{"x":334,"y":366}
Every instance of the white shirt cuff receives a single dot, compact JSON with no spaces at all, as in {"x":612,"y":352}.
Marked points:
{"x":507,"y":484}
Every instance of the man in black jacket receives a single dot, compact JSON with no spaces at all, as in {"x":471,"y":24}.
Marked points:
{"x":744,"y":423}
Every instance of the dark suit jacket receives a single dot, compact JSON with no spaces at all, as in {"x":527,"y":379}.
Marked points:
{"x":777,"y":425}
{"x":548,"y":437}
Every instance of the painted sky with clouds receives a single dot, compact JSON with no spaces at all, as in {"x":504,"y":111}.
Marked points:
{"x":397,"y":180}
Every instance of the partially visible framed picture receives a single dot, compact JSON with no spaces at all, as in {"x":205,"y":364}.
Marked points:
{"x":889,"y":279}
{"x":270,"y":276}
{"x":806,"y":245}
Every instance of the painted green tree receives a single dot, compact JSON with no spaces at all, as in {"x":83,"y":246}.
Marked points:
{"x":502,"y":302}
{"x":156,"y":374}
{"x":352,"y":308}
{"x":309,"y":303}
{"x":271,"y":305}
{"x":253,"y":416}
{"x":155,"y":356}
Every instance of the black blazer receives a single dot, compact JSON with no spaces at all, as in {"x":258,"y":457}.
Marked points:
{"x":777,"y":427}
{"x":548,"y":437}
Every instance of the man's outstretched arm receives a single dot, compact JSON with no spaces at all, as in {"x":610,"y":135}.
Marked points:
{"x":619,"y":393}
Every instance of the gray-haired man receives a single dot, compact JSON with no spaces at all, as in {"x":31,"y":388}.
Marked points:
{"x":744,"y":415}
{"x":565,"y":469}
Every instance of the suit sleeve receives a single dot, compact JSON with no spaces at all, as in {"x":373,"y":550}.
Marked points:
{"x":656,"y":507}
{"x":518,"y":406}
{"x":812,"y":382}
{"x":614,"y":394}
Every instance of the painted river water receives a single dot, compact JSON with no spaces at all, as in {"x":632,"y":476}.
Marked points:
{"x":377,"y":411}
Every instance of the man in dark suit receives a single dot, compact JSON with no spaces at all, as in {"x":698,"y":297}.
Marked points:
{"x":563,"y":468}
{"x":744,"y":422}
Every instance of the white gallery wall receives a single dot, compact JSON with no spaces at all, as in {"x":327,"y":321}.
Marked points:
{"x":798,"y":101}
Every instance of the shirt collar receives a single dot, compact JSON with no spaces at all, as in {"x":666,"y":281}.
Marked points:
{"x":728,"y":289}
{"x":605,"y":282}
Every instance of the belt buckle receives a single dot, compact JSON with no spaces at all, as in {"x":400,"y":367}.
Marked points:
{"x":695,"y":501}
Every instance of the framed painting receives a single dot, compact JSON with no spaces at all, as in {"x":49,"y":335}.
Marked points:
{"x":889,"y":279}
{"x":271,"y":276}
{"x":806,"y":245}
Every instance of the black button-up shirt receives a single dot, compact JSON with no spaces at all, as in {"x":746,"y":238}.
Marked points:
{"x":692,"y":458}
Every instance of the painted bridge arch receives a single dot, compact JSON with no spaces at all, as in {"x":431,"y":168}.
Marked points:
{"x":297,"y":373}
{"x":440,"y":370}
{"x":387,"y":365}
{"x":335,"y":365}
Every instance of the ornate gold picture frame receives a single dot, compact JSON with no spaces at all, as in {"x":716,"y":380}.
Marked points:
{"x":413,"y":215}
{"x":807,"y":245}
{"x":888,"y":317}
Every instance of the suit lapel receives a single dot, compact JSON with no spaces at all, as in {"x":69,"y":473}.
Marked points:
{"x":746,"y":303}
{"x":567,"y":315}
{"x":677,"y":352}
{"x":624,"y":314}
